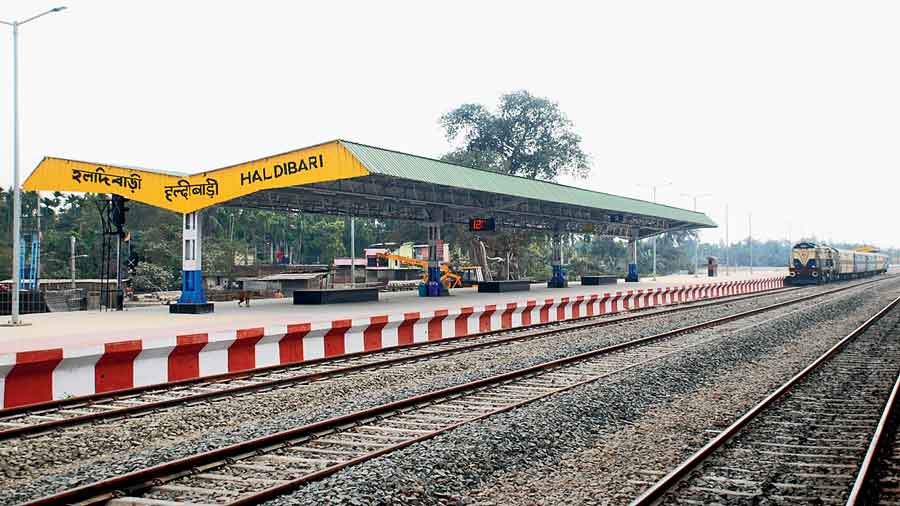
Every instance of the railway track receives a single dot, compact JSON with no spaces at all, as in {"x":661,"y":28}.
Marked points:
{"x":808,"y":441}
{"x":253,"y":471}
{"x":44,"y":417}
{"x":878,"y":480}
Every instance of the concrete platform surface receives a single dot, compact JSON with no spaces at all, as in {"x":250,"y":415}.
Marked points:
{"x":84,"y":328}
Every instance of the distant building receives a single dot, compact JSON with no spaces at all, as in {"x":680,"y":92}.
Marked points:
{"x":217,"y":280}
{"x":285,"y":283}
{"x":341,"y":270}
{"x":64,"y":284}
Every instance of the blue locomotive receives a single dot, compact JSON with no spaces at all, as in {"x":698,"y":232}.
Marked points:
{"x":813,"y":263}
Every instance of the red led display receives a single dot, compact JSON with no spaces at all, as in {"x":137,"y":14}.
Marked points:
{"x":481,"y":225}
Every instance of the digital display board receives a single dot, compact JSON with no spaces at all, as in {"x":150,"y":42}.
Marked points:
{"x":481,"y":225}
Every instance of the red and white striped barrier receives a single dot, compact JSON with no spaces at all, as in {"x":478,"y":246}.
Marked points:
{"x":38,"y":376}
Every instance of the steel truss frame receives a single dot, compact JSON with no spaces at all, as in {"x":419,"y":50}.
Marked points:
{"x":384,"y":197}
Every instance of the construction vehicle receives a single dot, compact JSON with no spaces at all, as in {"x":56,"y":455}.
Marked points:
{"x":448,"y":279}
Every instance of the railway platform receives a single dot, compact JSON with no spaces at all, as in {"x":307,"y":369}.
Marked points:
{"x":81,"y":353}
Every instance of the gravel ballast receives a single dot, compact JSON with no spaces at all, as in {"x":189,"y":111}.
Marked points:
{"x":637,"y":420}
{"x":42,"y":465}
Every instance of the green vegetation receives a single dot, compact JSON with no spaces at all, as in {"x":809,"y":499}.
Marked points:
{"x":250,"y":236}
{"x":526,"y":136}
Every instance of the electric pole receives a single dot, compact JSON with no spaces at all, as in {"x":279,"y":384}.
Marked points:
{"x":727,"y":245}
{"x":72,"y":259}
{"x":750,"y":223}
{"x":697,"y":245}
{"x":14,"y":318}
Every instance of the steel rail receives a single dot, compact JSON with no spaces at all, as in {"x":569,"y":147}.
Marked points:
{"x":857,"y":493}
{"x":683,"y":306}
{"x":279,"y":490}
{"x":143,"y":479}
{"x":667,"y":482}
{"x":520,"y":334}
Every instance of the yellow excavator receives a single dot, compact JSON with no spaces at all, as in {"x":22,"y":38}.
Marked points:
{"x":448,"y":279}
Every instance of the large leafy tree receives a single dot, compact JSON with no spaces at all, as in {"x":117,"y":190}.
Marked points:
{"x":592,"y":255}
{"x":526,"y":136}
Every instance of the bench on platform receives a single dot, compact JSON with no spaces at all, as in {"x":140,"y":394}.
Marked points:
{"x":515,"y":285}
{"x":192,"y":308}
{"x":598,"y":280}
{"x":335,"y":295}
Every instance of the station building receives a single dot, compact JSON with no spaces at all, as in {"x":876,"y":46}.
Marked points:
{"x":352,"y":179}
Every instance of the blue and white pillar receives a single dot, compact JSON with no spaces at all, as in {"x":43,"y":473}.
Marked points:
{"x":433,"y":285}
{"x":193,"y":296}
{"x":632,"y":276}
{"x":558,"y":279}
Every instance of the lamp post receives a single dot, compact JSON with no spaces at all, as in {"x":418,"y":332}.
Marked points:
{"x":790,"y":256}
{"x":727,"y":243}
{"x":653,"y":188}
{"x":352,"y":252}
{"x":750,"y":240}
{"x":696,"y":246}
{"x":14,"y":318}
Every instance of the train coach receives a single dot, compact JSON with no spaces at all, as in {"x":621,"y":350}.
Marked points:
{"x":813,"y":263}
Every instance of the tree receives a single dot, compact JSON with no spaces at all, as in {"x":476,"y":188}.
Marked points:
{"x":323,"y":239}
{"x":770,"y":253}
{"x":528,"y":136}
{"x":593,"y":255}
{"x":150,"y":278}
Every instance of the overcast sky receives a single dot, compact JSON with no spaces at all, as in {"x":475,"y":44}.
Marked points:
{"x":786,"y":109}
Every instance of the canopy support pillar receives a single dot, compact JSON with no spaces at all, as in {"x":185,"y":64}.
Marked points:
{"x":433,"y":287}
{"x":558,"y":279}
{"x":193,"y":296}
{"x":632,"y":276}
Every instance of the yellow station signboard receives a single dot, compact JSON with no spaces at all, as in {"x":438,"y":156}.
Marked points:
{"x":188,"y":193}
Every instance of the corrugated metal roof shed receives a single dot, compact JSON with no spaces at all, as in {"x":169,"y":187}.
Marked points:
{"x":427,"y":170}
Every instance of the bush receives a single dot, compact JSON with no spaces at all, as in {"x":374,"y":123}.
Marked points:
{"x":150,"y":277}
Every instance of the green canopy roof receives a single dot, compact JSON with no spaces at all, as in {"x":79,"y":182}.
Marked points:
{"x":428,"y":170}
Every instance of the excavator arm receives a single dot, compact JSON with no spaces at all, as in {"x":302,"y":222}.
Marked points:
{"x":449,"y":279}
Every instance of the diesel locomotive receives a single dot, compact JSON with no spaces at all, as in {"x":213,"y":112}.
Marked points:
{"x":813,"y":263}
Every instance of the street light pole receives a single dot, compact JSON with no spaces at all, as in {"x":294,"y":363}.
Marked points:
{"x":352,"y":252}
{"x":653,"y":188}
{"x":14,"y":318}
{"x":17,"y":193}
{"x":727,"y":244}
{"x":654,"y":240}
{"x":790,"y":256}
{"x":72,"y":260}
{"x":750,"y":244}
{"x":697,"y":245}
